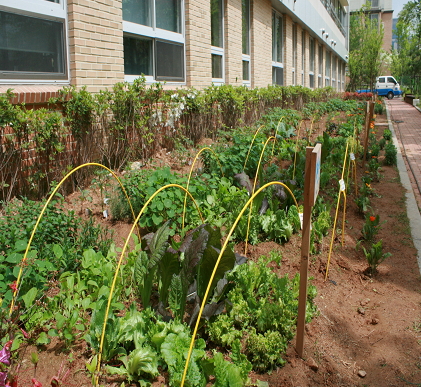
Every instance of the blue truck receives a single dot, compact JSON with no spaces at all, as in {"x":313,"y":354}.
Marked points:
{"x":386,"y":86}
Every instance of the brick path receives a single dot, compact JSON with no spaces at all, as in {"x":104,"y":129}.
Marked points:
{"x":406,"y":121}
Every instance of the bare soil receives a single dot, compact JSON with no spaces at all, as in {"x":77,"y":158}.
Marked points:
{"x":368,"y":330}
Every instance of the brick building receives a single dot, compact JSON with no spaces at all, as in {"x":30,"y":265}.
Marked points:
{"x":47,"y":44}
{"x":382,"y":12}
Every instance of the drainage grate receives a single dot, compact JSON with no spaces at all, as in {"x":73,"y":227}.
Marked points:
{"x":398,"y":121}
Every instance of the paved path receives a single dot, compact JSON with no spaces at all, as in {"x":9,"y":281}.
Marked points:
{"x":405,"y":124}
{"x":406,"y":121}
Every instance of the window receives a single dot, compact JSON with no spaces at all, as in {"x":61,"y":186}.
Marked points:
{"x":246,"y":40}
{"x":294,"y":54}
{"x":217,"y":40}
{"x":277,"y":49}
{"x":320,"y":73}
{"x":41,"y":54}
{"x":311,"y":62}
{"x":153,"y":40}
{"x":334,"y":71}
{"x":382,"y":80}
{"x":303,"y":55}
{"x":327,"y":68}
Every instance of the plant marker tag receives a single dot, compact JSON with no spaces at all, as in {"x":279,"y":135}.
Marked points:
{"x":342,"y":185}
{"x":301,"y":215}
{"x":105,"y":213}
{"x":352,"y":156}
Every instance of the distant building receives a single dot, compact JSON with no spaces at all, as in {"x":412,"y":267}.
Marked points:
{"x":395,"y":45}
{"x":380,"y":10}
{"x":47,"y":44}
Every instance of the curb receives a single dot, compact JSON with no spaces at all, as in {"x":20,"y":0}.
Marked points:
{"x":412,"y":210}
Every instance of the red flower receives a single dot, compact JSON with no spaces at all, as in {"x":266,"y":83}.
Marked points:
{"x":372,"y":218}
{"x":13,"y":286}
{"x":25,"y":334}
{"x":36,"y":383}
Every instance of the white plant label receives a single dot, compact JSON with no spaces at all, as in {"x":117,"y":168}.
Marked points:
{"x":352,"y":156}
{"x":342,"y":185}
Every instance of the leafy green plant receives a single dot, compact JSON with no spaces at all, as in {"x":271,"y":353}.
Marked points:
{"x":390,"y":154}
{"x":370,"y":227}
{"x":262,"y":308}
{"x":387,"y":134}
{"x":363,"y":203}
{"x":378,"y":107}
{"x":179,"y":267}
{"x":375,"y":256}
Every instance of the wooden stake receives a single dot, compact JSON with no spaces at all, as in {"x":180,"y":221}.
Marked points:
{"x":311,"y":186}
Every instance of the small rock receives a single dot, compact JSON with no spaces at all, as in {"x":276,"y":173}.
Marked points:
{"x":361,"y":311}
{"x":365,"y":302}
{"x":88,"y":211}
{"x":136,"y":165}
{"x":312,"y":364}
{"x":374,"y":321}
{"x":362,"y":374}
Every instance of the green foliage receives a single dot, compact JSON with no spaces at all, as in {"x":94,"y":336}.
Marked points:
{"x":366,"y":39}
{"x":57,"y":246}
{"x":378,"y":107}
{"x":363,"y":203}
{"x":387,"y":134}
{"x":375,"y":255}
{"x":174,"y":352}
{"x":320,"y":228}
{"x":406,"y":62}
{"x":176,"y":270}
{"x":390,"y":154}
{"x":370,"y":227}
{"x":262,"y":308}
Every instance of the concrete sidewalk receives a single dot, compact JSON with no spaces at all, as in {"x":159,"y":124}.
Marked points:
{"x":405,"y":123}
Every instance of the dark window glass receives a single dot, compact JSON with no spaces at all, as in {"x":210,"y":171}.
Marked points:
{"x":137,"y":56}
{"x":168,"y":15}
{"x":246,"y":70}
{"x":278,"y":76}
{"x":137,"y":11}
{"x":216,"y":66}
{"x":277,"y":38}
{"x":31,"y":45}
{"x":169,"y":61}
{"x":217,"y":37}
{"x":381,"y":80}
{"x":246,"y":26}
{"x":311,"y":81}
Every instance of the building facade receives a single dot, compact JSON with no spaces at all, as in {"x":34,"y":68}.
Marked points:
{"x":48,"y":44}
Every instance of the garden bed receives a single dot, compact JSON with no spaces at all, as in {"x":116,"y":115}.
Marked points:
{"x":368,"y":329}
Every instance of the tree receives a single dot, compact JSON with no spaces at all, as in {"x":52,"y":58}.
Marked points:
{"x":407,"y":60}
{"x":365,"y":42}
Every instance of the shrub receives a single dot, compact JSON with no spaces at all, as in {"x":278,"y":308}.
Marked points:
{"x":390,"y":153}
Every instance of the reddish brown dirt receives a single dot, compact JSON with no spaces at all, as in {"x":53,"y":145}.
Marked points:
{"x":370,"y":324}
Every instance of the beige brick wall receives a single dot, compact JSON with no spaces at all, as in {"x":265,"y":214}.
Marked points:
{"x":388,"y":26}
{"x":198,"y":43}
{"x":233,"y":43}
{"x":261,"y":43}
{"x":95,"y":43}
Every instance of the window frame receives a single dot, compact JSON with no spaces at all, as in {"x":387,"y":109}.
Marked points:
{"x":43,"y":10}
{"x":294,"y":53}
{"x":328,"y":68}
{"x":219,"y":51}
{"x":246,"y":57}
{"x":133,"y":30}
{"x":275,"y":64}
